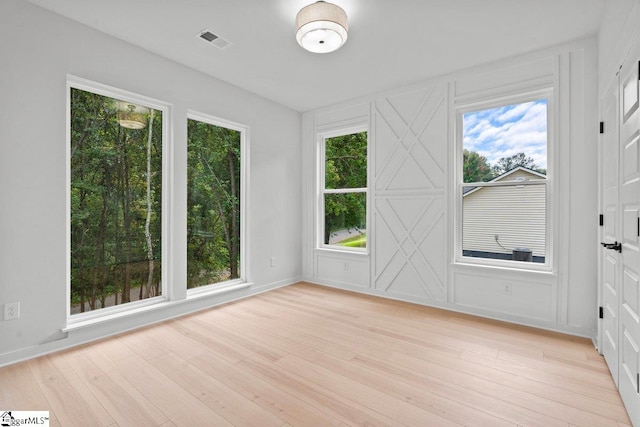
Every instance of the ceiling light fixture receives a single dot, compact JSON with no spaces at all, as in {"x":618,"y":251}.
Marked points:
{"x":321,"y":27}
{"x":132,"y":116}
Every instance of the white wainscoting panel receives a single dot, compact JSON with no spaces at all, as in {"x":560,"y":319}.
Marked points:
{"x":502,"y":294}
{"x":341,"y":269}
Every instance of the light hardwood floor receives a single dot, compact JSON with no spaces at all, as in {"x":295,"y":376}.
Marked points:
{"x":306,"y":355}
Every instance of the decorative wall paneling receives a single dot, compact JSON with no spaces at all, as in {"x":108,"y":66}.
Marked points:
{"x":412,"y":224}
{"x":410,"y":164}
{"x":345,"y":271}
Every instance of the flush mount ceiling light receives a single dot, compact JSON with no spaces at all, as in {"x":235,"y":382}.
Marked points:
{"x":321,"y":27}
{"x":132,"y":116}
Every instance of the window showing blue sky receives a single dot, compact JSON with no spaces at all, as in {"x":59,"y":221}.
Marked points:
{"x":507,"y":131}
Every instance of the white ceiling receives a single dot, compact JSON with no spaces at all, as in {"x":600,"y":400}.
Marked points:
{"x":391,"y":42}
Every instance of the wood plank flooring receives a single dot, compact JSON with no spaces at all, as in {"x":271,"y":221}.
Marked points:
{"x":306,"y":355}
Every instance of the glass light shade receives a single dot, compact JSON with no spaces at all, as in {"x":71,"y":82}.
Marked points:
{"x":132,"y":116}
{"x":321,"y":27}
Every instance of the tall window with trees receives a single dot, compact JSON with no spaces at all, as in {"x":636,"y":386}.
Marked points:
{"x":503,"y":184}
{"x":116,"y":148}
{"x":344,"y":191}
{"x":213,"y":202}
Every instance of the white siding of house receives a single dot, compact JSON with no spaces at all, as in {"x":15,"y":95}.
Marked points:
{"x":516,"y":214}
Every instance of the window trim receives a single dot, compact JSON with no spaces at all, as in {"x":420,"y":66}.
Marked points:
{"x":321,"y":190}
{"x":244,"y":200}
{"x":101,"y":89}
{"x":550,"y":264}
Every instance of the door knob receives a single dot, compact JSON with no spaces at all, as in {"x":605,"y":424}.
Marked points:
{"x":615,"y":246}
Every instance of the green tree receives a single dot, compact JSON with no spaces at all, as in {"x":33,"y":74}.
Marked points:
{"x":475,"y":168}
{"x":506,"y":164}
{"x":115,"y":203}
{"x":213,"y":204}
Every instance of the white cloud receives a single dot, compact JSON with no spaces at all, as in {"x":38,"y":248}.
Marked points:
{"x":506,"y":131}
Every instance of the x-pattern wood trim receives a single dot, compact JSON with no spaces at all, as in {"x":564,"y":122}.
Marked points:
{"x":408,"y":241}
{"x":408,"y":143}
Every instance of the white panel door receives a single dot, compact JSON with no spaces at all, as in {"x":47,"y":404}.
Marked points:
{"x":610,"y":259}
{"x":629,"y":206}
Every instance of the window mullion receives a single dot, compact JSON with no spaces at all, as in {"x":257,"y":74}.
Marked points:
{"x":344,"y":190}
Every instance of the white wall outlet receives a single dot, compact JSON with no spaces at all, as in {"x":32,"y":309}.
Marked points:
{"x":346,"y":266}
{"x":506,"y":288}
{"x":12,"y":310}
{"x":273,"y":261}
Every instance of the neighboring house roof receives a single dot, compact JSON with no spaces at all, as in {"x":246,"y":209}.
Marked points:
{"x":469,"y":190}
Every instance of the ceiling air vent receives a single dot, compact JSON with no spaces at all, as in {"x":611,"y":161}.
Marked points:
{"x":213,"y":39}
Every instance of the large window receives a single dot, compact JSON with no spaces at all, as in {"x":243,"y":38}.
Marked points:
{"x":503,"y":183}
{"x":214,"y":196}
{"x":115,"y":203}
{"x":344,"y":191}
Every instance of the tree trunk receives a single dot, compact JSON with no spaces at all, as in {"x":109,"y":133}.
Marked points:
{"x":234,"y":246}
{"x":147,"y":223}
{"x":117,"y":226}
{"x":126,"y":210}
{"x":98,"y":281}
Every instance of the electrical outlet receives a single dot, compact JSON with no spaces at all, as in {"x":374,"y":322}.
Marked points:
{"x":273,"y":261}
{"x":12,"y":310}
{"x":346,"y":266}
{"x":506,"y":289}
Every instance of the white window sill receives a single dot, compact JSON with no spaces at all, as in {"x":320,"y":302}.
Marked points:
{"x":338,"y":251}
{"x":206,"y":291}
{"x":542,"y":270}
{"x":217,"y":289}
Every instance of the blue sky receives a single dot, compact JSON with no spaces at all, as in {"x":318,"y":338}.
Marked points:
{"x":505,"y":131}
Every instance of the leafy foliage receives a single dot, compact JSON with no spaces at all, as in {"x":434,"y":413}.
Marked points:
{"x":476,"y":167}
{"x":505,"y":164}
{"x":213,"y":204}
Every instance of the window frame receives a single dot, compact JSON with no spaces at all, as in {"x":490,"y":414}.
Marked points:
{"x":81,"y":319}
{"x":547,"y":93}
{"x":322,"y":191}
{"x":244,"y":199}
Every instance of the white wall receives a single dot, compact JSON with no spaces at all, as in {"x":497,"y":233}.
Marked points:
{"x":619,"y":25}
{"x":412,"y":190}
{"x":37,"y":51}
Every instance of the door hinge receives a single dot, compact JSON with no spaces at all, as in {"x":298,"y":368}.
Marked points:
{"x":601,"y":127}
{"x":601,"y":312}
{"x":601,"y":220}
{"x":638,"y":383}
